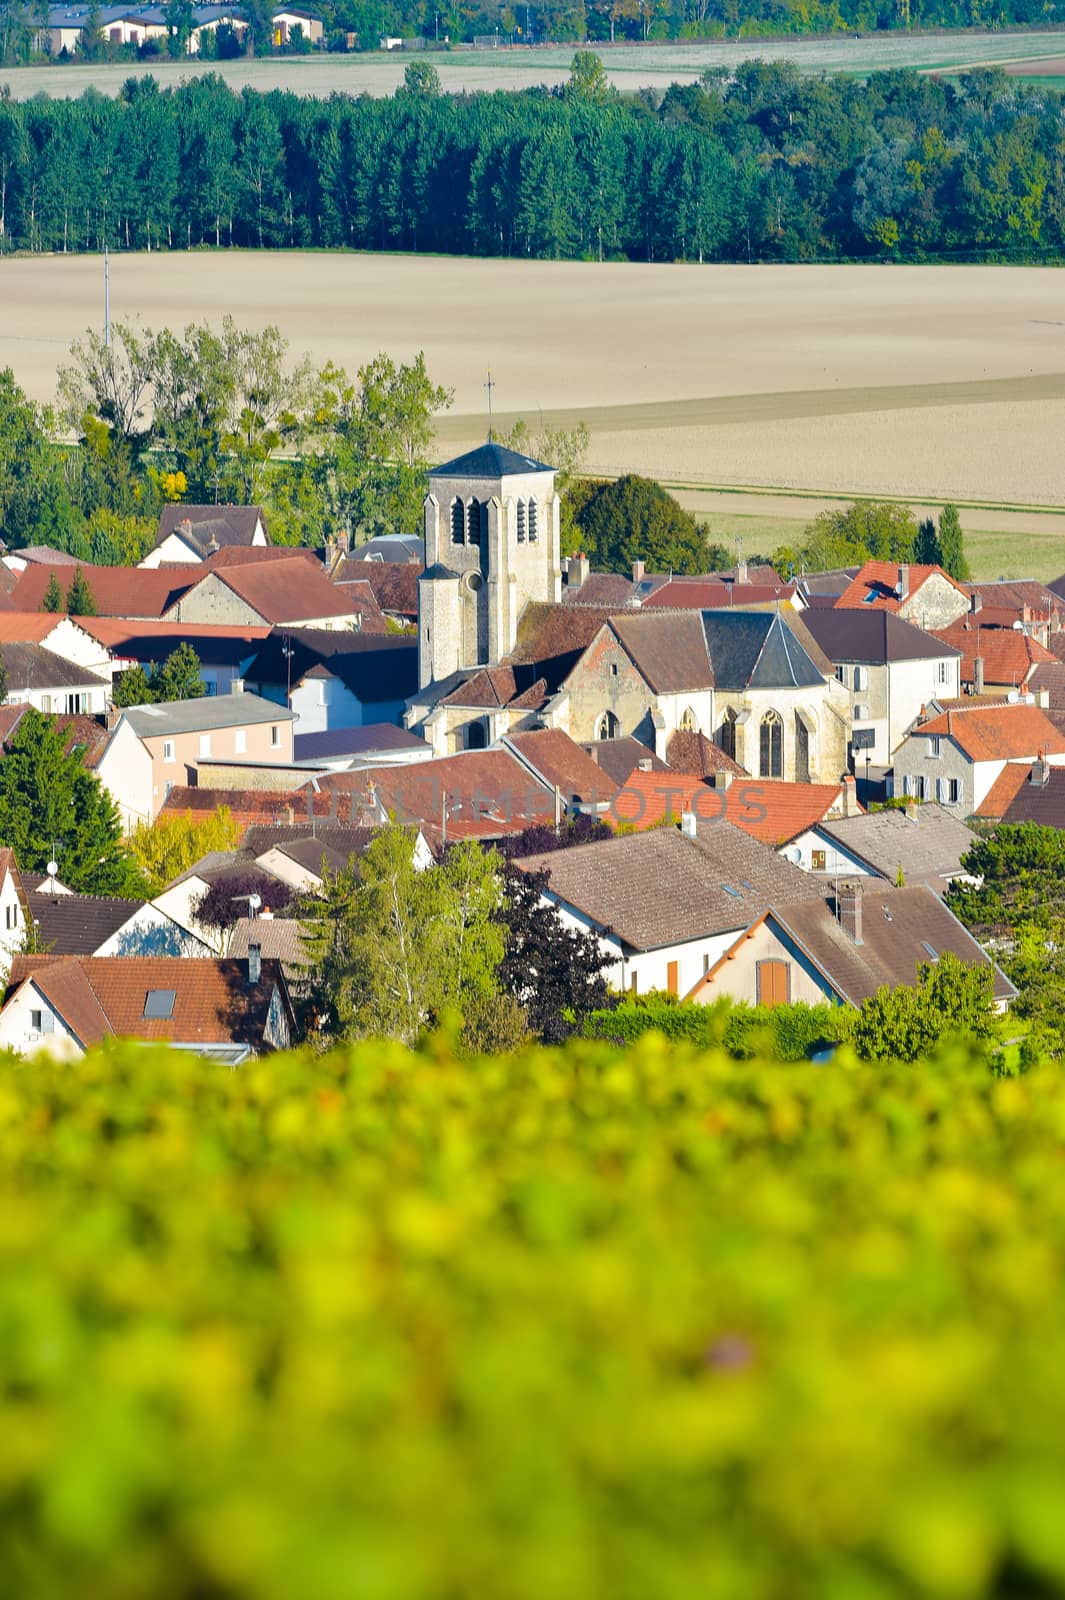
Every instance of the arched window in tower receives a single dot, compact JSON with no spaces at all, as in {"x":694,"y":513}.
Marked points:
{"x":533,"y":530}
{"x":771,"y":746}
{"x":727,"y":734}
{"x":473,"y":521}
{"x":521,"y":521}
{"x":458,"y":523}
{"x":476,"y":735}
{"x":688,"y":723}
{"x":608,"y":726}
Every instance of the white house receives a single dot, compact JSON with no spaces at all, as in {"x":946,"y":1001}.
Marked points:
{"x":956,"y":756}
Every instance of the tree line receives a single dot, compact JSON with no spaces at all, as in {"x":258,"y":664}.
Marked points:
{"x":762,"y":164}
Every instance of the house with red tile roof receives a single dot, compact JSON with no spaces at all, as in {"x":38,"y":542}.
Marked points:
{"x":293,"y":593}
{"x":994,"y":659}
{"x":128,"y":592}
{"x":223,"y":652}
{"x":774,"y":812}
{"x":956,"y":757}
{"x":924,"y":595}
{"x":229,"y":1010}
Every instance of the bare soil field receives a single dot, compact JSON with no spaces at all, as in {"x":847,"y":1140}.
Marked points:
{"x":925,"y":383}
{"x":630,"y":66}
{"x":1052,"y":67}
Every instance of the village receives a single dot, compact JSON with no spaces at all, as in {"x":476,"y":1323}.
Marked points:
{"x":779,"y":780}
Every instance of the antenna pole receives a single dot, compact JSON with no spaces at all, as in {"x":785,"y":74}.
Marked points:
{"x":107,"y":297}
{"x":490,"y":385}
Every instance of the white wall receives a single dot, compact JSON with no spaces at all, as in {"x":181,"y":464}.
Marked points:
{"x":125,"y":770}
{"x":149,"y":932}
{"x":694,"y":957}
{"x":18,"y":1033}
{"x":837,"y":860}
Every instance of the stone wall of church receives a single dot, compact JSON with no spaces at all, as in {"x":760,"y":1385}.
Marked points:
{"x":825,"y":709}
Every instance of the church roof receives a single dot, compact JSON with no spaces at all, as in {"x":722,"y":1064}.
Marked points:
{"x":489,"y":460}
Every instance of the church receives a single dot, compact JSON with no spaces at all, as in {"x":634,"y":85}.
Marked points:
{"x":499,"y":651}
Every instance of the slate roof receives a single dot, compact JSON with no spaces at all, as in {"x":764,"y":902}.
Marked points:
{"x":118,"y":591}
{"x":103,"y":995}
{"x":897,"y":925}
{"x":207,"y":528}
{"x":489,"y":460}
{"x":877,"y":637}
{"x":32,"y":667}
{"x":662,"y":888}
{"x":391,"y":548}
{"x":561,"y":762}
{"x":880,"y":580}
{"x":373,"y":667}
{"x":1008,"y":655}
{"x":769,"y":810}
{"x":342,"y":842}
{"x":209,"y":711}
{"x":996,"y":733}
{"x":757,"y":650}
{"x":373,"y":738}
{"x":925,"y":841}
{"x":78,"y":924}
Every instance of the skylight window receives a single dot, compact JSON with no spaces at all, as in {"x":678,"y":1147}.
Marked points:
{"x":926,"y":946}
{"x":159,"y":1003}
{"x":871,"y":597}
{"x":735,"y":893}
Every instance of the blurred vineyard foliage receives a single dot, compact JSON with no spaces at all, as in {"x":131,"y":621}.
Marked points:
{"x":577,"y":1324}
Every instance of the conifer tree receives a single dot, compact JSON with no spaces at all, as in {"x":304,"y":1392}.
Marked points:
{"x":81,"y":602}
{"x":951,"y":544}
{"x":53,"y":595}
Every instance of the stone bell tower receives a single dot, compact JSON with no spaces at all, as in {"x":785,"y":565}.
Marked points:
{"x":491,"y":546}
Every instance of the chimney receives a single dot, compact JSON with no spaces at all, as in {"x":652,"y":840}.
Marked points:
{"x":1039,"y":776}
{"x":255,"y":963}
{"x":904,"y":581}
{"x":113,"y":714}
{"x":1042,"y":699}
{"x":978,"y":675}
{"x":578,"y":572}
{"x":1026,"y":614}
{"x":976,"y":601}
{"x":689,"y":824}
{"x":742,"y":570}
{"x":638,"y":570}
{"x":236,"y":686}
{"x":849,"y":909}
{"x":265,"y":914}
{"x":849,"y":797}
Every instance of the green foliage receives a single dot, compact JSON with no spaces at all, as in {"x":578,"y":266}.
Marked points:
{"x":390,"y":948}
{"x":777,"y":1033}
{"x":566,"y":450}
{"x":421,"y":80}
{"x":166,"y":848}
{"x":867,"y":529}
{"x":53,"y":596}
{"x":80,"y":600}
{"x":635,"y":519}
{"x":951,"y":544}
{"x":588,"y":79}
{"x":951,"y":999}
{"x":578,"y":1322}
{"x":50,"y":802}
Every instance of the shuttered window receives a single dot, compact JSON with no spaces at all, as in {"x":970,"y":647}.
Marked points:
{"x":773,"y":983}
{"x":673,"y":977}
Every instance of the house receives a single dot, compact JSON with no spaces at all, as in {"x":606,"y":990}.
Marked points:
{"x":224,"y":653}
{"x":335,"y":680}
{"x":695,"y":754}
{"x":279,"y":939}
{"x":711,"y":594}
{"x":291,"y":592}
{"x":994,"y":659}
{"x":917,"y":844}
{"x":38,"y":677}
{"x":956,"y":756}
{"x":890,"y":670}
{"x":666,"y":905}
{"x":553,"y":757}
{"x":621,"y":757}
{"x":73,"y":641}
{"x":1038,"y":607}
{"x":393,"y":584}
{"x":772,"y":811}
{"x":192,"y":533}
{"x":924,"y":595}
{"x":228,"y":1010}
{"x":404,"y":549}
{"x":292,"y":22}
{"x":15,"y":915}
{"x":297,"y":855}
{"x":842,"y":947}
{"x":155,"y":747}
{"x":95,"y":925}
{"x":43,"y":554}
{"x":1023,"y":793}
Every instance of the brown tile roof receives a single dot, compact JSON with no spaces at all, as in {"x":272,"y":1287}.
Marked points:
{"x":1011,"y":595}
{"x":669,"y":649}
{"x":1042,"y":801}
{"x":118,"y":591}
{"x":246,"y":555}
{"x":1003,"y":791}
{"x":611,"y":589}
{"x":10,"y":717}
{"x":877,"y":636}
{"x":662,"y":888}
{"x":1008,"y":655}
{"x":1050,"y":676}
{"x":897,"y":925}
{"x":208,"y":527}
{"x":32,"y":667}
{"x":493,"y":687}
{"x":881,"y":579}
{"x":488,"y":793}
{"x":278,"y":938}
{"x":47,"y":555}
{"x":103,"y":995}
{"x":997,"y":732}
{"x":696,"y":754}
{"x":619,"y":757}
{"x":394,"y":583}
{"x":260,"y":837}
{"x":771,"y":811}
{"x":708,"y":594}
{"x":926,"y":842}
{"x":561,"y":763}
{"x":288,"y":591}
{"x":154,"y":641}
{"x":557,"y":634}
{"x":88,"y":732}
{"x":78,"y":924}
{"x":257,"y":805}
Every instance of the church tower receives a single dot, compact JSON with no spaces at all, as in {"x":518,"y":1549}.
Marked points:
{"x":491,"y":546}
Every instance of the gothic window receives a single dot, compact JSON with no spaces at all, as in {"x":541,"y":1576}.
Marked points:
{"x":521,"y":521}
{"x":771,"y":746}
{"x":532,"y":522}
{"x":608,"y":726}
{"x":474,"y":517}
{"x":802,"y":751}
{"x":476,"y":737}
{"x":688,"y":723}
{"x":727,"y":737}
{"x":458,"y":523}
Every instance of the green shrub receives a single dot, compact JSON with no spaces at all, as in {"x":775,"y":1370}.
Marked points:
{"x":581,"y":1322}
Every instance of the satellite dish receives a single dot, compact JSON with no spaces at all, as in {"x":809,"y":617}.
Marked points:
{"x":793,"y":854}
{"x":52,"y":868}
{"x":254,"y":902}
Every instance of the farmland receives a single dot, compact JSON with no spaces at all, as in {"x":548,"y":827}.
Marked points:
{"x":630,"y":66}
{"x":783,"y":382}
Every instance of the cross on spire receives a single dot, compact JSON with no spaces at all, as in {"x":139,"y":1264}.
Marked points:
{"x":490,"y":385}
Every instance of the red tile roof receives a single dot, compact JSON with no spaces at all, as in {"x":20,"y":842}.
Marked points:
{"x":291,"y":590}
{"x":695,"y":753}
{"x":560,"y":761}
{"x":771,"y":811}
{"x":881,"y":578}
{"x":118,"y":591}
{"x":487,"y":793}
{"x":1008,"y":655}
{"x":394,"y":583}
{"x":28,"y":627}
{"x":707,"y":594}
{"x":1003,"y":791}
{"x":997,"y":733}
{"x":250,"y":806}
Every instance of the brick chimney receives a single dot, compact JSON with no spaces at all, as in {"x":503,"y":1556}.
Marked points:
{"x":578,"y":572}
{"x":849,"y":909}
{"x":638,"y":571}
{"x":978,"y":675}
{"x":849,"y":797}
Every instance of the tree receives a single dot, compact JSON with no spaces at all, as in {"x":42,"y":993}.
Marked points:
{"x":421,"y":81}
{"x":80,"y":601}
{"x":635,"y":519}
{"x":53,"y":596}
{"x":555,"y":973}
{"x":178,"y":677}
{"x":228,"y":897}
{"x":588,"y":79}
{"x":390,"y":948}
{"x":50,"y":802}
{"x":868,"y":529}
{"x":951,"y":544}
{"x":132,"y":688}
{"x":926,"y":549}
{"x":565,"y":449}
{"x":169,"y":846}
{"x":951,"y":999}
